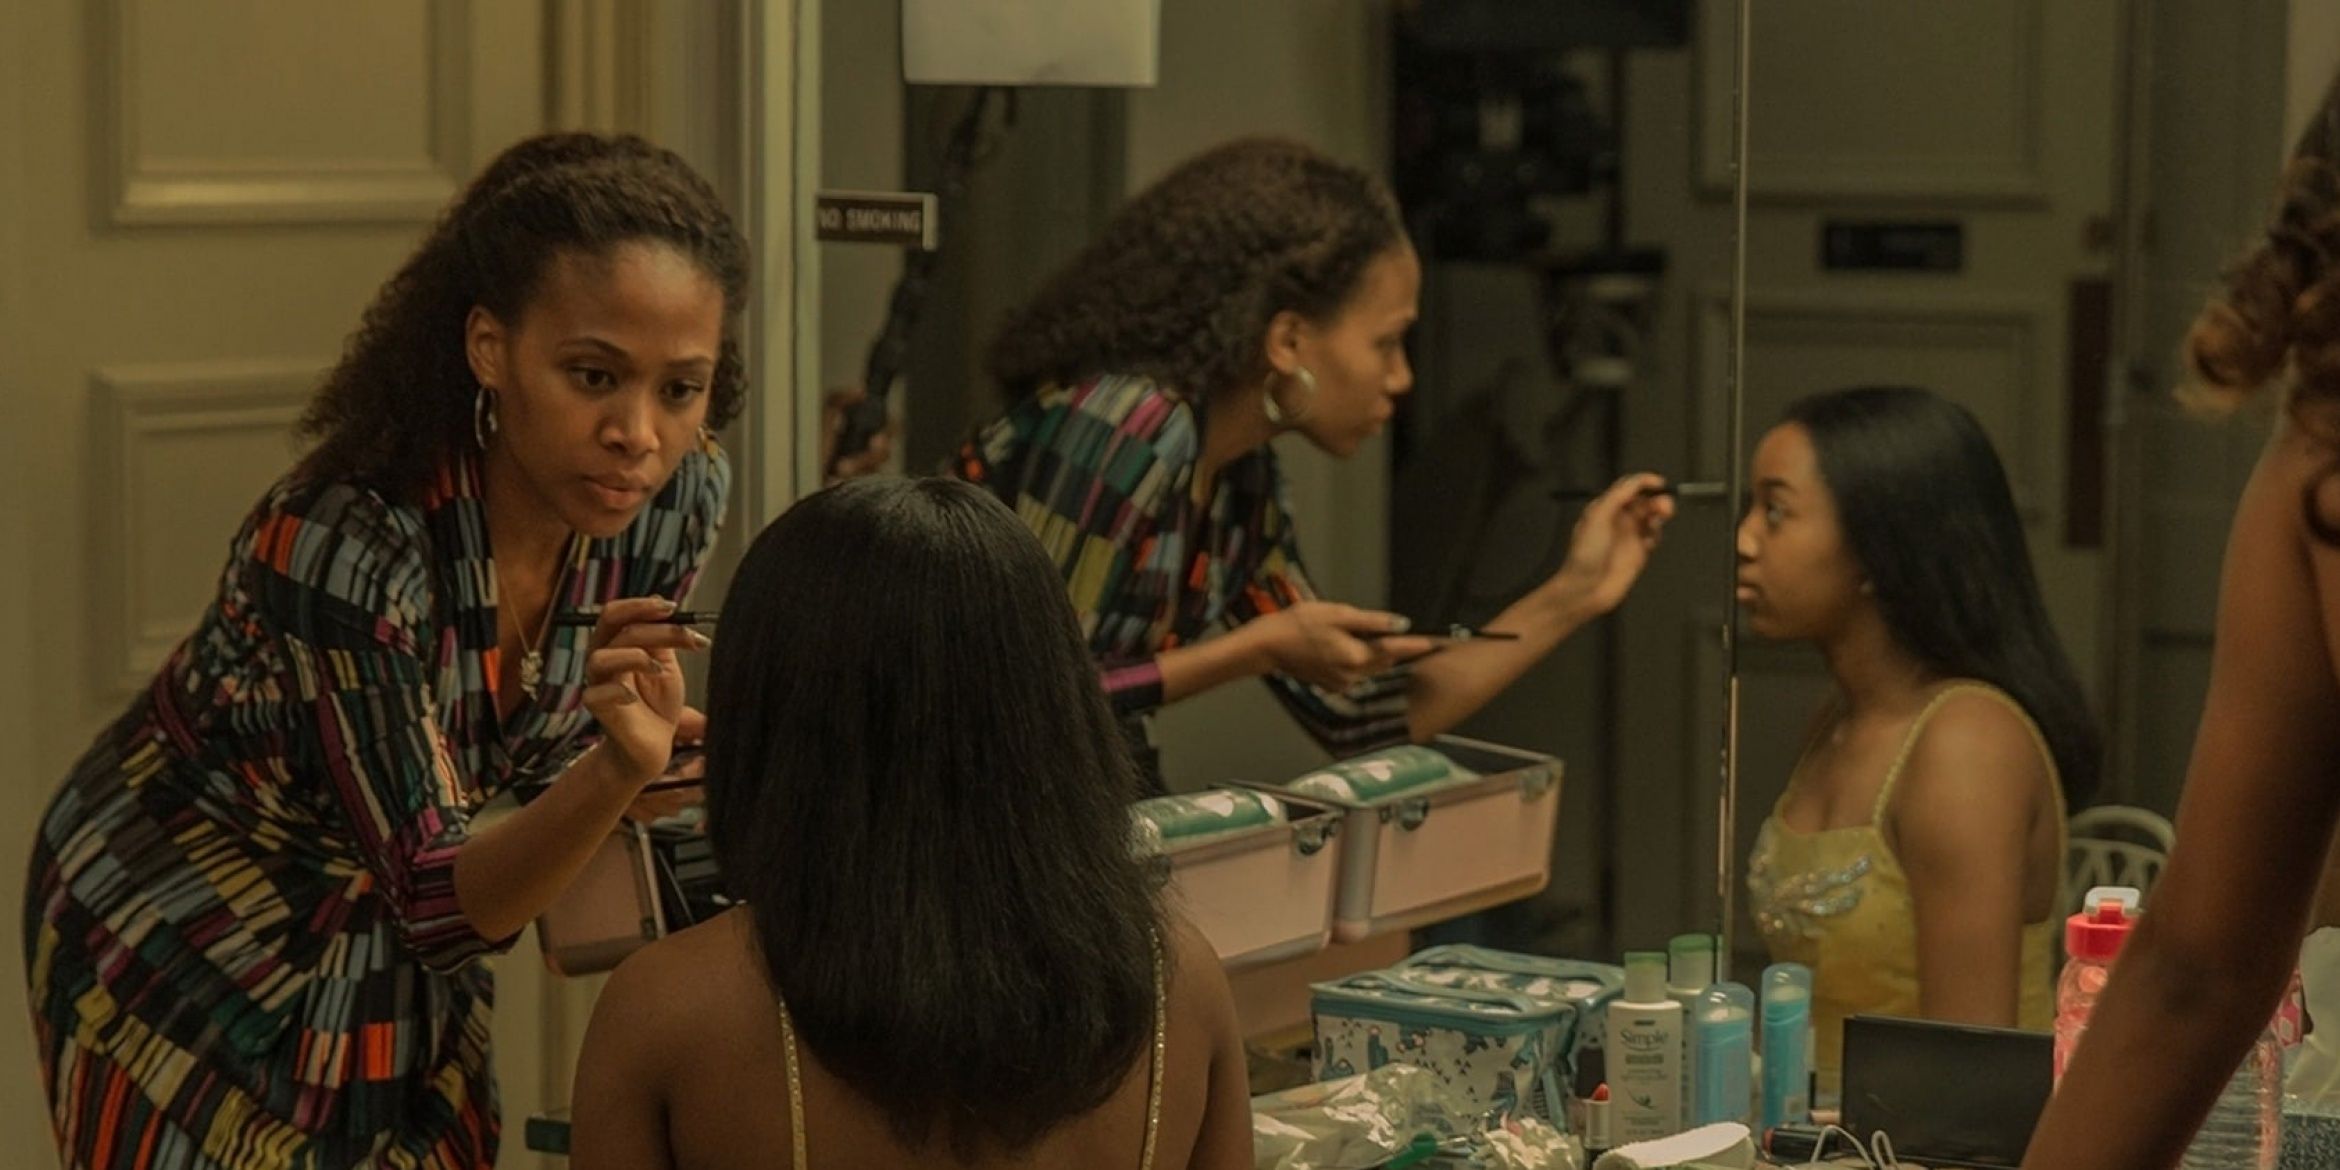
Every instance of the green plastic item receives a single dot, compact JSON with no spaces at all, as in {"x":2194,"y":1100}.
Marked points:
{"x":1424,"y":1145}
{"x":1205,"y":814}
{"x":1381,"y":775}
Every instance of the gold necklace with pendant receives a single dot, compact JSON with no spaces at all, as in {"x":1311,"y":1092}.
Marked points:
{"x":532,"y":664}
{"x":532,"y":659}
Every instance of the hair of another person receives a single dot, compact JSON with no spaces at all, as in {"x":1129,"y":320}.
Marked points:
{"x":915,"y":784}
{"x":1925,"y":507}
{"x":2276,"y":313}
{"x":1184,"y":280}
{"x":400,"y":402}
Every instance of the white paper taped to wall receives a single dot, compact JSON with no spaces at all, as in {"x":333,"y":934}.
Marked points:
{"x":1030,"y":42}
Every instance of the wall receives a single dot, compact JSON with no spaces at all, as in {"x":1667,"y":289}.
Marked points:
{"x":2311,"y":53}
{"x":861,"y":115}
{"x":24,"y":787}
{"x":2213,"y":103}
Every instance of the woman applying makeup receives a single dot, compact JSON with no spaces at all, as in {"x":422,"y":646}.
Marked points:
{"x":257,"y":906}
{"x":1260,"y":290}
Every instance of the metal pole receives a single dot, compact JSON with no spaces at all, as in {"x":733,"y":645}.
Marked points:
{"x":1727,"y":813}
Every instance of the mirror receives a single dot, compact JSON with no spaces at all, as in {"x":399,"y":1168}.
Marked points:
{"x":1575,"y":252}
{"x":2020,"y":206}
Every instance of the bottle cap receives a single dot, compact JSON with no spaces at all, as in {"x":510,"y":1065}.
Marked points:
{"x":1645,"y":976}
{"x":1726,"y":1003}
{"x":1787,"y":992}
{"x":2107,"y":915}
{"x":1690,"y":962}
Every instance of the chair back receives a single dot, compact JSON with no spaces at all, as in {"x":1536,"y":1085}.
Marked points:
{"x":2114,"y":845}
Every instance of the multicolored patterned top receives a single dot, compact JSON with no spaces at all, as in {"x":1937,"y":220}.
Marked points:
{"x":241,"y":928}
{"x":1103,"y":472}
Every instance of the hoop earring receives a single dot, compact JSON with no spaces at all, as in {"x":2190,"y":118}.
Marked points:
{"x":1276,"y":415}
{"x":483,"y":416}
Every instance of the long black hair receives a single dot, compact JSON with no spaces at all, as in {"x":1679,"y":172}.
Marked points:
{"x":1925,"y":507}
{"x":917,"y":787}
{"x":400,"y":400}
{"x":1181,"y":285}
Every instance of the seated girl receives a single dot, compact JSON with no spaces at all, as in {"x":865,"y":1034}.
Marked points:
{"x":1915,"y":860}
{"x":945,"y":953}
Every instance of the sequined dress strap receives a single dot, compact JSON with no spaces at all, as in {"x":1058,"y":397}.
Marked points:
{"x":796,"y":1160}
{"x":1918,"y":727}
{"x":1161,"y":1046}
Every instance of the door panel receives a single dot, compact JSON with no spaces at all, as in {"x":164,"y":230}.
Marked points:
{"x":2211,"y":140}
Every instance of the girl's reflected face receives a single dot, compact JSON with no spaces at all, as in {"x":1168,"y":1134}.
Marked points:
{"x":1798,"y":578}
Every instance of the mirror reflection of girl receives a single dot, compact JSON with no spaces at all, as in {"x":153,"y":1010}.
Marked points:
{"x":2214,"y":951}
{"x":1258,"y":290}
{"x":258,"y":910}
{"x":948,"y":955}
{"x":1914,"y":860}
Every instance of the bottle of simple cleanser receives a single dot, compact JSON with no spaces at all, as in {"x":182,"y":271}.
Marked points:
{"x":1645,"y":1054}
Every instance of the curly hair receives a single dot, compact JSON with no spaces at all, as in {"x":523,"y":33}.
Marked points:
{"x":2279,"y":304}
{"x":400,"y":399}
{"x":1184,"y":280}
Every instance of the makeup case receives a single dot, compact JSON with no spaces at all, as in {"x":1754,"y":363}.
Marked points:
{"x":1507,"y":1029}
{"x":1433,"y":832}
{"x":1256,"y":873}
{"x":644,"y":881}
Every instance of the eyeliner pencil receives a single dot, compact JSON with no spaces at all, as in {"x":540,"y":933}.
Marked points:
{"x":1454,"y":633}
{"x":680,"y":617}
{"x":1680,"y":491}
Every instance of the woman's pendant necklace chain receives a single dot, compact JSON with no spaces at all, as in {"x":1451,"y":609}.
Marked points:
{"x":532,"y":659}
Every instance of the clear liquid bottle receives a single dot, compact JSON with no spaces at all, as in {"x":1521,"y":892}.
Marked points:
{"x":1786,"y":1007}
{"x":1724,"y":1022}
{"x":1690,"y":964}
{"x":2244,"y":1129}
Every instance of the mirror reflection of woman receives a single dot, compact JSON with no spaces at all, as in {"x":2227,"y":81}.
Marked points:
{"x":1258,"y":290}
{"x":258,"y":909}
{"x":1915,"y":859}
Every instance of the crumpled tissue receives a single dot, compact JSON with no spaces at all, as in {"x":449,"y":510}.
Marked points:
{"x":1360,"y":1122}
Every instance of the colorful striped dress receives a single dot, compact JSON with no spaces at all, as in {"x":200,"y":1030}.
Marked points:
{"x":1103,"y":472}
{"x":240,"y":925}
